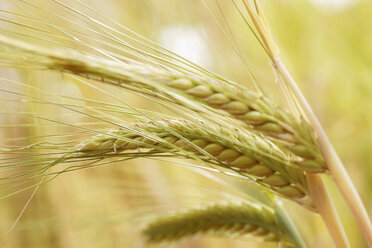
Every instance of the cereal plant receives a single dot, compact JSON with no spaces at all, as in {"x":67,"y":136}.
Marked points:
{"x":81,"y":91}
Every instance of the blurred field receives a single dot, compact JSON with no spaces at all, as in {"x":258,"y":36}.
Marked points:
{"x":328,"y":50}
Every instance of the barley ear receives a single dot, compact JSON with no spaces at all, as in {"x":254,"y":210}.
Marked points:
{"x":245,"y":153}
{"x":219,"y":219}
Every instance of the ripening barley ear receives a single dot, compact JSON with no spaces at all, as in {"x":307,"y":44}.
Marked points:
{"x":261,"y":115}
{"x":243,"y":152}
{"x":234,"y":220}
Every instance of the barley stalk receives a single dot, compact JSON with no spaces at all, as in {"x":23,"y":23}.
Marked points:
{"x":247,"y":154}
{"x":259,"y":112}
{"x":317,"y":188}
{"x":331,"y":159}
{"x":219,"y":219}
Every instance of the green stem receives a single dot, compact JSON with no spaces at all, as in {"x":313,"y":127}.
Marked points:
{"x":286,"y":223}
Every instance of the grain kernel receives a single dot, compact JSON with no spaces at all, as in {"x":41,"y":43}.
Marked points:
{"x":181,"y":143}
{"x":170,"y":139}
{"x":243,"y":162}
{"x":275,"y":180}
{"x":260,"y":171}
{"x":214,"y":149}
{"x":181,"y":83}
{"x":291,"y":191}
{"x":228,"y":155}
{"x":300,"y":150}
{"x":107,"y":144}
{"x":119,"y":143}
{"x":254,"y":117}
{"x":271,"y":127}
{"x":236,"y":108}
{"x":201,"y":91}
{"x":217,"y":99}
{"x":311,"y":166}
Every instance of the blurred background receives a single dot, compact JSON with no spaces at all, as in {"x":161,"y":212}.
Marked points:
{"x":326,"y":45}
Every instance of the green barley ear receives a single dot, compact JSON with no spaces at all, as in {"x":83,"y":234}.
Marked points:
{"x":245,"y":153}
{"x":219,"y":219}
{"x":260,"y":113}
{"x":257,"y":111}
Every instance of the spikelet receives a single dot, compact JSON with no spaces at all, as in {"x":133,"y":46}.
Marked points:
{"x":218,"y":219}
{"x":242,"y":152}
